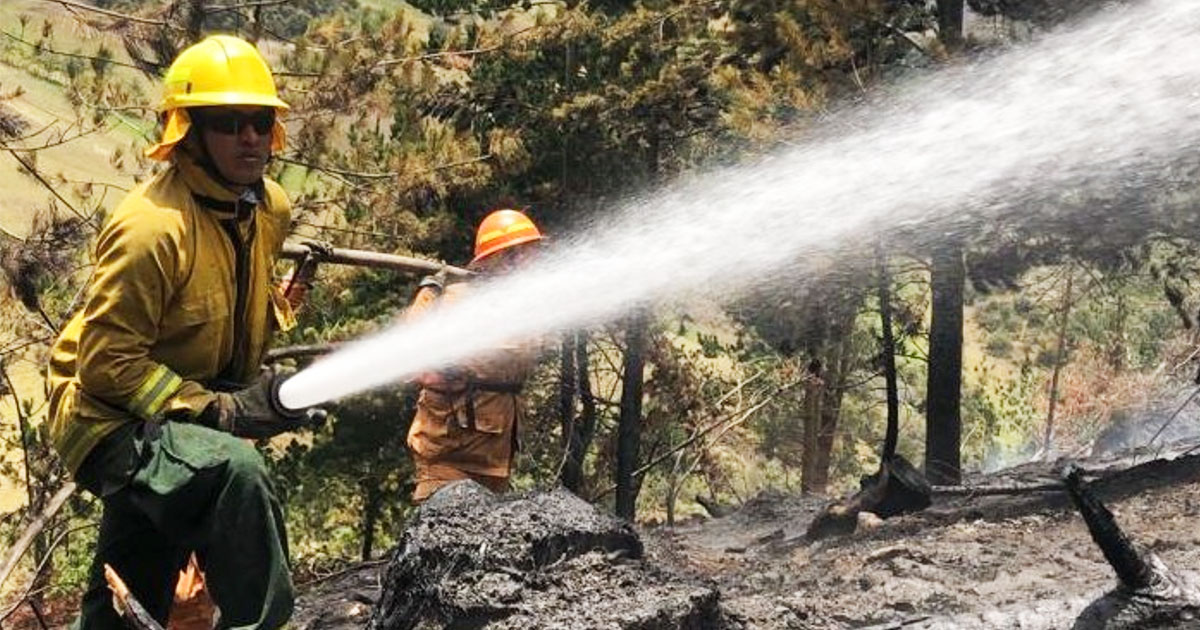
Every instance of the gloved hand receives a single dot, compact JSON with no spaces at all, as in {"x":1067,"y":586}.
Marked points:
{"x":299,"y":281}
{"x":255,"y":411}
{"x":318,"y":248}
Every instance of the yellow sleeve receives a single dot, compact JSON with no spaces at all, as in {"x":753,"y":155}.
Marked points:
{"x":279,"y":224}
{"x":136,"y":262}
{"x":279,"y":209}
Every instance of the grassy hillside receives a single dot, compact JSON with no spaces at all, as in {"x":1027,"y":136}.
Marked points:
{"x":35,"y":89}
{"x":37,"y":81}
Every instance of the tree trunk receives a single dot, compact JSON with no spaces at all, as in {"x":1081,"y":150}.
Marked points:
{"x":675,"y":481}
{"x":810,"y":480}
{"x":566,"y":404}
{"x":889,"y":360}
{"x":583,"y":427}
{"x":372,"y":505}
{"x":943,"y":420}
{"x":950,"y":23}
{"x":829,"y":329}
{"x":629,"y":423}
{"x":831,"y":409}
{"x":1119,"y":339}
{"x":1060,"y":352}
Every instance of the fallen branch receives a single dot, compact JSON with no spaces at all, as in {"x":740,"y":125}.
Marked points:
{"x":243,"y":5}
{"x":35,"y":528}
{"x":29,"y":590}
{"x":998,"y":490}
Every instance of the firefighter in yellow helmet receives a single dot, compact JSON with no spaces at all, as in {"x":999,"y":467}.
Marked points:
{"x":156,"y":380}
{"x":467,"y":416}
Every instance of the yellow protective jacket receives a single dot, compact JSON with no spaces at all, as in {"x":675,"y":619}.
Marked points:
{"x":172,"y":305}
{"x":448,"y":430}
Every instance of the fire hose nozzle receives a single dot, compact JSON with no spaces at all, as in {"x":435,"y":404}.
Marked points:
{"x":313,"y":418}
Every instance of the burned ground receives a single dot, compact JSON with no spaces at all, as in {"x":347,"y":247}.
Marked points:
{"x":969,"y":561}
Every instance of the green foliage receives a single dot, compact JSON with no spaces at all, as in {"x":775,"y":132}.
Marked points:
{"x":1000,"y":417}
{"x":352,"y":479}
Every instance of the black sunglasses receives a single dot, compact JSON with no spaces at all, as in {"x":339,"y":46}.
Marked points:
{"x":232,"y":121}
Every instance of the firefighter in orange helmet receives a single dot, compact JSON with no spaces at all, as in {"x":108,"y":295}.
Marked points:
{"x":467,"y":416}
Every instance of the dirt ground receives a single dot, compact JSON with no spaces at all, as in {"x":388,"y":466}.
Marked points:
{"x":1023,"y":561}
{"x":1010,"y":561}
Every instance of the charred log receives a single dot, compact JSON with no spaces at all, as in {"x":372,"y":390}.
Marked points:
{"x":898,"y":488}
{"x":472,"y":559}
{"x":1149,"y":594}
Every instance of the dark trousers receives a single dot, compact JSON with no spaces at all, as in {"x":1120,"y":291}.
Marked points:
{"x":176,"y":490}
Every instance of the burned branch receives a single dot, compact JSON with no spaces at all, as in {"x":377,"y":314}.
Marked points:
{"x":1149,"y":593}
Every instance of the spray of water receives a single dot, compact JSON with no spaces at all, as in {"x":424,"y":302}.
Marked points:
{"x":1118,"y":94}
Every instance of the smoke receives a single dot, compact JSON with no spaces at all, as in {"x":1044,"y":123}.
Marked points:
{"x":1172,"y":417}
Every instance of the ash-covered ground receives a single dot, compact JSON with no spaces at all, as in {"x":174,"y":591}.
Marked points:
{"x":1000,"y":561}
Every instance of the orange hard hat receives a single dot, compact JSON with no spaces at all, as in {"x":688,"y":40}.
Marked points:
{"x":503,"y":229}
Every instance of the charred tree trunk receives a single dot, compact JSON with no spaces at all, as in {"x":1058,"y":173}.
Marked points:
{"x":810,"y":482}
{"x":566,"y":386}
{"x":473,"y":559}
{"x":1125,"y":559}
{"x":888,"y":350}
{"x":828,"y":333}
{"x":566,"y":406}
{"x":630,"y":421}
{"x":898,"y":488}
{"x":1150,"y":594}
{"x":943,"y":420}
{"x":831,"y":405}
{"x":950,"y":23}
{"x":372,"y":506}
{"x":583,"y":426}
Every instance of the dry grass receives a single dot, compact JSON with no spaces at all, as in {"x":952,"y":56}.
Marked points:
{"x":42,"y":103}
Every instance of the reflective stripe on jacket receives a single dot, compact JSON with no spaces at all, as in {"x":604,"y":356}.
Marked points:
{"x":158,"y":316}
{"x":447,"y":429}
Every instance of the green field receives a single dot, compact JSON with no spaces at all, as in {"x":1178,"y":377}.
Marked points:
{"x":41,"y":103}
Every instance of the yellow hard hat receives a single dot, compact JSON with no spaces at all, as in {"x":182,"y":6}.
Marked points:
{"x":219,"y":70}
